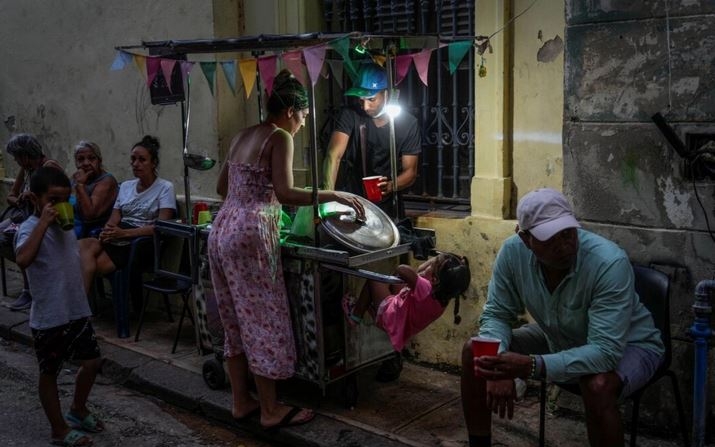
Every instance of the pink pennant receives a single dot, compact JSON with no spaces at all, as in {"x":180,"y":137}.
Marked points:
{"x":421,"y":60}
{"x":293,"y":61}
{"x":152,"y":68}
{"x":402,"y":66}
{"x":267,"y":70}
{"x":167,"y":67}
{"x":314,"y":57}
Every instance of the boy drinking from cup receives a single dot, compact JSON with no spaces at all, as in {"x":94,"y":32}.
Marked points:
{"x":59,"y":316}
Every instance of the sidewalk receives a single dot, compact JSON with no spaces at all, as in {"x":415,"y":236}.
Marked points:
{"x":423,"y":408}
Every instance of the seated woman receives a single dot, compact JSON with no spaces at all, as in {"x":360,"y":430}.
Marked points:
{"x":139,"y":204}
{"x":95,"y":190}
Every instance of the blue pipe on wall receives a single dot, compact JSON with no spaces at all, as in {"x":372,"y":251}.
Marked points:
{"x":701,"y":332}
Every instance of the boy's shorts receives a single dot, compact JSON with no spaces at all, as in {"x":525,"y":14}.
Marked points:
{"x":72,"y":341}
{"x":635,"y":368}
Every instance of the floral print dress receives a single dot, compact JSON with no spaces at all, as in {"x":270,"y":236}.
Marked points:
{"x":244,"y":256}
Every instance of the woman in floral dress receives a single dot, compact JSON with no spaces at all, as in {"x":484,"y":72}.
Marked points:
{"x":244,"y":255}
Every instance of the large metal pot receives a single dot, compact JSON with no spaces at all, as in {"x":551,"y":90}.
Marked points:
{"x":376,"y":232}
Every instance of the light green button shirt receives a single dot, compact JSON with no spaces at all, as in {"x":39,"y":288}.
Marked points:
{"x":588,"y":319}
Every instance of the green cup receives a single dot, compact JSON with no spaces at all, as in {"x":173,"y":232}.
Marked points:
{"x":65,"y":215}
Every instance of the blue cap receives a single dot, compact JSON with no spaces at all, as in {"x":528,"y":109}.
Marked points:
{"x":371,"y":80}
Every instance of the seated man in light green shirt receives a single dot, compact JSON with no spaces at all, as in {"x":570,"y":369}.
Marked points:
{"x":590,"y":326}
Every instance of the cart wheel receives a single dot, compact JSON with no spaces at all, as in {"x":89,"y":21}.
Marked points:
{"x":213,"y":374}
{"x":350,"y":391}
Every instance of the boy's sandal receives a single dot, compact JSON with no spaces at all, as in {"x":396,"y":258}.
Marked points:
{"x":89,"y":424}
{"x":74,"y":438}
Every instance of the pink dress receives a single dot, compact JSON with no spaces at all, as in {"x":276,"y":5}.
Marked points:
{"x":244,"y":256}
{"x":403,"y":315}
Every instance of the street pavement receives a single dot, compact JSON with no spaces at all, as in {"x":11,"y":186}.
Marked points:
{"x":422,"y":408}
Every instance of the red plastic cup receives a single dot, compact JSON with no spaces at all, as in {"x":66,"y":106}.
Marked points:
{"x":484,"y":346}
{"x":372,"y":191}
{"x":198,"y":207}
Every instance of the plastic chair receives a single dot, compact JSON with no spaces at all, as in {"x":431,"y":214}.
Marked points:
{"x":168,"y":280}
{"x":653,"y":288}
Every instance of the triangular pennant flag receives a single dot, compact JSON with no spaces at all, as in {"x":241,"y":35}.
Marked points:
{"x":152,"y":68}
{"x":293,"y":61}
{"x":140,"y":62}
{"x":209,"y":69}
{"x":336,"y":67}
{"x":421,"y":61}
{"x":342,"y":46}
{"x":267,"y":70}
{"x":457,"y":51}
{"x":186,"y":67}
{"x":229,"y":71}
{"x":121,"y":60}
{"x":248,"y":74}
{"x":167,"y":67}
{"x":314,"y":57}
{"x":402,"y":66}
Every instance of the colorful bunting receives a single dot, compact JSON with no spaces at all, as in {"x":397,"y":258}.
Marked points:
{"x":186,"y":67}
{"x":267,"y":70}
{"x":402,"y":66}
{"x":167,"y":67}
{"x":121,"y":60}
{"x":342,"y":46}
{"x":309,"y":61}
{"x":457,"y":51}
{"x":140,"y":62}
{"x":336,"y":67}
{"x":314,"y":57}
{"x":209,"y":70}
{"x":152,"y":69}
{"x":229,"y":71}
{"x":421,"y":61}
{"x":293,"y":61}
{"x":248,"y":74}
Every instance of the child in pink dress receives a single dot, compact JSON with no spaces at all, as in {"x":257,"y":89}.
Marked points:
{"x":404,"y":310}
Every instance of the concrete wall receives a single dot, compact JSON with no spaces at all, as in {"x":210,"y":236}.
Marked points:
{"x":624,"y":62}
{"x":56,"y":81}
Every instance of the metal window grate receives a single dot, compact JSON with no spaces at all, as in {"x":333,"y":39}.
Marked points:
{"x":445,"y":109}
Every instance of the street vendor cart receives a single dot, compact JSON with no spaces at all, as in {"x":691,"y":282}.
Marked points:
{"x":334,"y":256}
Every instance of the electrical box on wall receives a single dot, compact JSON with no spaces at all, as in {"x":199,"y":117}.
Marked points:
{"x":160,"y":92}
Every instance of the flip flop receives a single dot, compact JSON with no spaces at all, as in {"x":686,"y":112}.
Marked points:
{"x":74,"y":438}
{"x":288,"y":421}
{"x":89,"y":424}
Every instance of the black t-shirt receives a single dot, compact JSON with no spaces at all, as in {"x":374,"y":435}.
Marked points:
{"x":360,"y":127}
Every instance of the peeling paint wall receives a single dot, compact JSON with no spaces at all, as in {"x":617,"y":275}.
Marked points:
{"x":625,"y":61}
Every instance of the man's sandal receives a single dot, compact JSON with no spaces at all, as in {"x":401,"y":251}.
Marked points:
{"x":74,"y":438}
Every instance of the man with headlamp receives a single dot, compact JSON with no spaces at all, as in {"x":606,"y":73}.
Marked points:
{"x":360,"y":143}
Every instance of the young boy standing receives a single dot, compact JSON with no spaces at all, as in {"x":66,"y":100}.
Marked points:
{"x":59,"y":316}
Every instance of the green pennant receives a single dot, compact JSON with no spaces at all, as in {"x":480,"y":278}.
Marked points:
{"x":209,"y":70}
{"x":457,"y":51}
{"x":342,"y":46}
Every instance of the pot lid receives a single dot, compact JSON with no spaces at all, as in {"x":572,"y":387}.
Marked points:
{"x":376,"y":232}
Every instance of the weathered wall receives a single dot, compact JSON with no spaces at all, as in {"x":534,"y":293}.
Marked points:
{"x":622,"y":66}
{"x":56,"y":81}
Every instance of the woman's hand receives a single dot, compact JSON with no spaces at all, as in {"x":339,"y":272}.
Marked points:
{"x":80,"y":177}
{"x":353,"y":202}
{"x":111,"y":232}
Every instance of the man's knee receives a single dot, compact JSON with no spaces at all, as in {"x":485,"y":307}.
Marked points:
{"x":601,"y":387}
{"x":467,"y":357}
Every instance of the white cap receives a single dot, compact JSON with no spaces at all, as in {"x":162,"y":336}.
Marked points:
{"x":545,"y":212}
